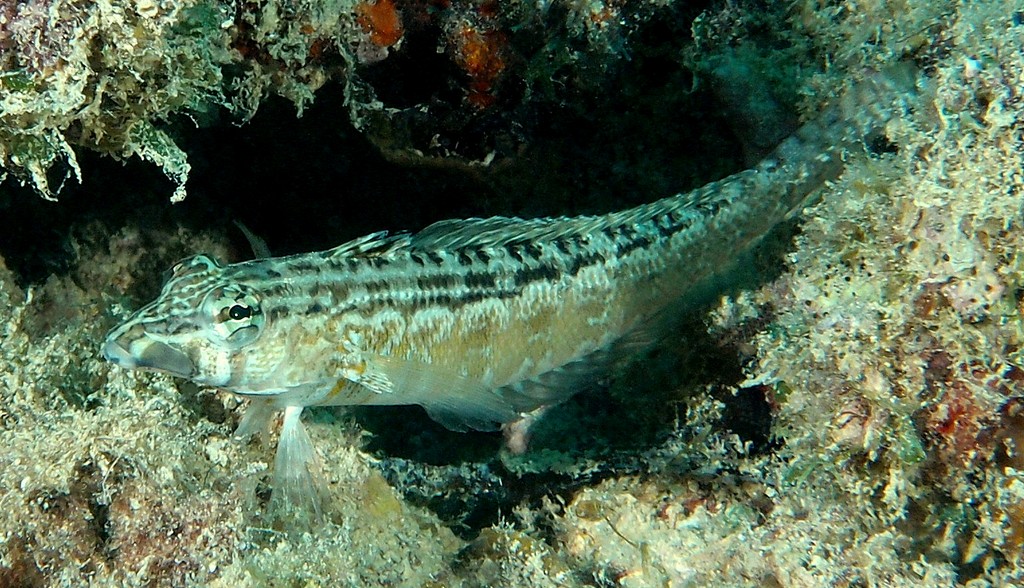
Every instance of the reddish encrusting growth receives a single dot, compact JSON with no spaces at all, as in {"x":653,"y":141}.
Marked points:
{"x":479,"y":51}
{"x":966,"y":426}
{"x":381,"y":20}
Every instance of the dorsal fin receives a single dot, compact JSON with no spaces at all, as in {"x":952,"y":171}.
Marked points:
{"x":258,"y":245}
{"x":374,"y":244}
{"x":499,"y":230}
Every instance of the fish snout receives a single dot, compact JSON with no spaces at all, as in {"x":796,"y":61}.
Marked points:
{"x":131,"y":347}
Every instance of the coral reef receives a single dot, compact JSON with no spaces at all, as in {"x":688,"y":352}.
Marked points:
{"x":849,"y":416}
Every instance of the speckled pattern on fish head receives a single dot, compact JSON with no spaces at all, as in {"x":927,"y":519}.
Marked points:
{"x":198,"y":328}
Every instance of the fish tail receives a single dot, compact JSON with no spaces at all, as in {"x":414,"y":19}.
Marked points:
{"x":815,"y":153}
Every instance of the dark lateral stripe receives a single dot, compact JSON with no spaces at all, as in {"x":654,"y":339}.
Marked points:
{"x":527,"y":276}
{"x":438,"y":290}
{"x":480,"y":280}
{"x":438,"y":282}
{"x":461,"y":287}
{"x":426,"y":300}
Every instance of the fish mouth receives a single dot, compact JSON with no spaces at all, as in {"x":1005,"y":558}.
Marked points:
{"x":134,"y":349}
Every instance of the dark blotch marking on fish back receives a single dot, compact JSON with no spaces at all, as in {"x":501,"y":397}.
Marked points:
{"x":709,"y":207}
{"x":513,"y":251}
{"x":668,"y":225}
{"x":276,"y":291}
{"x":309,"y":266}
{"x":637,"y":242}
{"x":532,"y":250}
{"x":583,"y":261}
{"x":627,"y":232}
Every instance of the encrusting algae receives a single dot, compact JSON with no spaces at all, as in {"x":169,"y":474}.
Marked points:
{"x":887,"y":354}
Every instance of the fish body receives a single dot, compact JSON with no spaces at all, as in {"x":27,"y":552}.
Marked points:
{"x":477,"y":320}
{"x":481,"y":307}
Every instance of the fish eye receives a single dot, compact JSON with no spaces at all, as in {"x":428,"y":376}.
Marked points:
{"x":233,"y":313}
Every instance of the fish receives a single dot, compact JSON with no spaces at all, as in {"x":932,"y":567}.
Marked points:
{"x":480,"y":321}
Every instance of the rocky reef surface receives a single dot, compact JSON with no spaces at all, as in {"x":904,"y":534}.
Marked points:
{"x":847,"y":412}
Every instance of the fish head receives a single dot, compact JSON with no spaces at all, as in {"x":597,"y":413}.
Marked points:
{"x":197,"y":327}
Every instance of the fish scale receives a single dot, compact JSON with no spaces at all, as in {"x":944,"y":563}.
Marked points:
{"x":477,"y":320}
